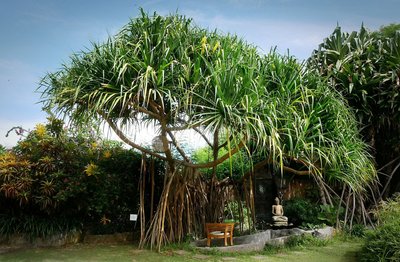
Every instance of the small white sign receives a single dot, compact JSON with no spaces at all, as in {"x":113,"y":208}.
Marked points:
{"x":133,"y":217}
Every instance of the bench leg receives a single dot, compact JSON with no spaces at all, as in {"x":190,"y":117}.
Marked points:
{"x":208,"y":241}
{"x":226,"y":242}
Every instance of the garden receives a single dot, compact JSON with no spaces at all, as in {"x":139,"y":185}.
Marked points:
{"x":320,"y":136}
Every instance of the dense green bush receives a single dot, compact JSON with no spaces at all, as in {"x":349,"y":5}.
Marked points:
{"x":357,"y":230}
{"x":33,"y":226}
{"x":383,"y":243}
{"x":328,"y":214}
{"x":56,"y":180}
{"x":303,"y":212}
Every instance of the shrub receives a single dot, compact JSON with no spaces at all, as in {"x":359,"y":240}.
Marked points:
{"x":56,"y":180}
{"x":328,"y":214}
{"x":302,"y":212}
{"x":357,"y":230}
{"x":33,"y":226}
{"x":383,"y":243}
{"x":305,"y":213}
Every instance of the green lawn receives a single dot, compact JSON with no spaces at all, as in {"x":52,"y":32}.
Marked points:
{"x":335,"y":251}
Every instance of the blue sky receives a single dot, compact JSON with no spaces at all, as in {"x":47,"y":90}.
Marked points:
{"x":37,"y":36}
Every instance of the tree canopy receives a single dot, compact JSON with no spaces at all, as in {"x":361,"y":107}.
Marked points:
{"x":171,"y":74}
{"x":165,"y":70}
{"x":365,"y":67}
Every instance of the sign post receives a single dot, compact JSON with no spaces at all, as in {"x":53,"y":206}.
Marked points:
{"x":133,"y":217}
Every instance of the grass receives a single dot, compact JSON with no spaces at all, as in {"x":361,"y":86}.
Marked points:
{"x":336,"y":250}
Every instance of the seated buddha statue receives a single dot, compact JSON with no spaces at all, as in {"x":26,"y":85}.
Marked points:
{"x":278,"y":218}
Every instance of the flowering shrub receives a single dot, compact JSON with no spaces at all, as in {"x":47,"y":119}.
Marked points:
{"x":56,"y":180}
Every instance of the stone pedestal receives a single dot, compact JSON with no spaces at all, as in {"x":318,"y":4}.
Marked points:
{"x":280,"y":223}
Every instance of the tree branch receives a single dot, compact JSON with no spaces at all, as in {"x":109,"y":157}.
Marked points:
{"x":202,"y":135}
{"x":188,"y":126}
{"x":185,"y":126}
{"x":175,"y":143}
{"x":145,"y":111}
{"x":122,"y":136}
{"x":219,"y":160}
{"x":285,"y":168}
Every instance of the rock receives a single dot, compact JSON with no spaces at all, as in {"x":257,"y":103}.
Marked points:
{"x":280,"y":223}
{"x":324,"y":233}
{"x":278,"y":242}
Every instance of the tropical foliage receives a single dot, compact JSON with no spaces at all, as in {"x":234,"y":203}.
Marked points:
{"x":56,"y":180}
{"x":387,"y":31}
{"x":365,"y":67}
{"x":165,"y":72}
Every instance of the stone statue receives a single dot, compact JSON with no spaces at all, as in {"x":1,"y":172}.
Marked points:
{"x":278,"y":218}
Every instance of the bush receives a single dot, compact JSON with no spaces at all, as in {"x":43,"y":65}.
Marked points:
{"x":328,"y":214}
{"x":33,"y":226}
{"x":302,"y":212}
{"x":56,"y":180}
{"x":383,"y":243}
{"x":357,"y":230}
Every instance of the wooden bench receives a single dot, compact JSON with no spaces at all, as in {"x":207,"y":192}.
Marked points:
{"x":220,"y":230}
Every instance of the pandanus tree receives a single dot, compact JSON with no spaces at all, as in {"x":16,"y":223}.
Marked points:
{"x":175,"y":76}
{"x":365,"y":67}
{"x":317,"y":133}
{"x":167,"y":73}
